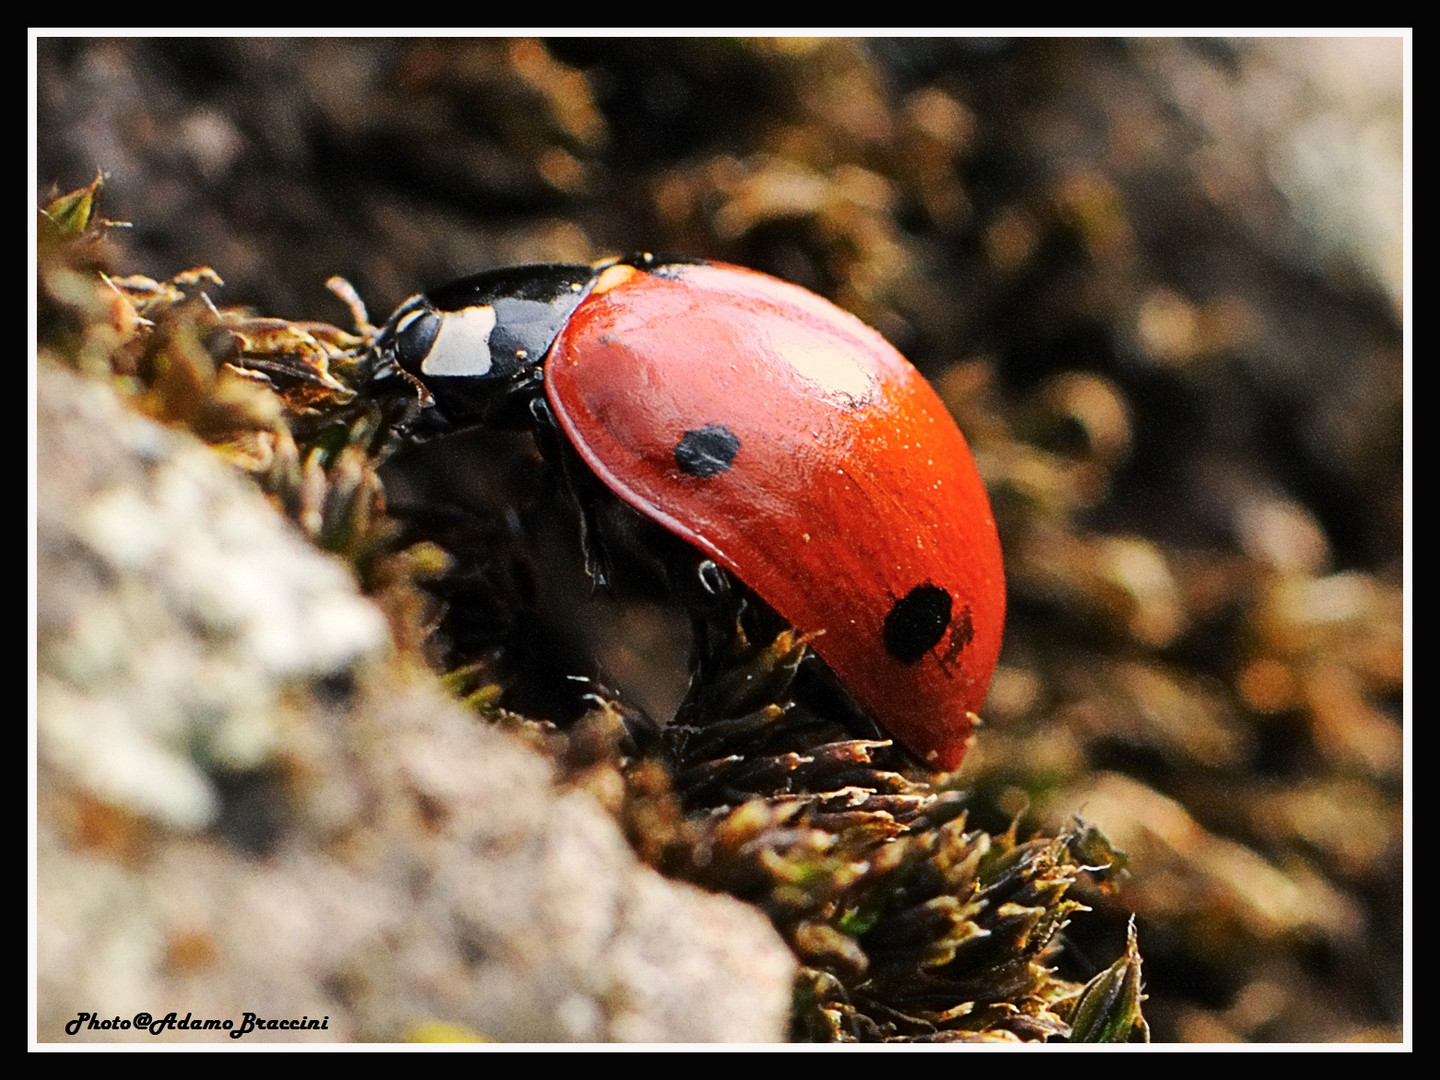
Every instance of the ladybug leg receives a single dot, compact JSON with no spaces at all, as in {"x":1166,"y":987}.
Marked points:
{"x":579,"y":481}
{"x":599,"y":564}
{"x":827,"y":695}
{"x":622,"y":724}
{"x":730,"y":674}
{"x":717,"y":633}
{"x":746,"y":657}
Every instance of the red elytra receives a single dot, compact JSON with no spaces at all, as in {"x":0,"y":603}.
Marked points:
{"x":798,"y":449}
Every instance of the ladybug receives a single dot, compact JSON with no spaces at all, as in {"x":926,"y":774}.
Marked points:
{"x":780,"y":436}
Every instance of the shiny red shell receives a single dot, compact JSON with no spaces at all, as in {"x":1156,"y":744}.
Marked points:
{"x":849,"y":502}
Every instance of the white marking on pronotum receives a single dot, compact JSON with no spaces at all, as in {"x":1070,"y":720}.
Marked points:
{"x":462,"y":346}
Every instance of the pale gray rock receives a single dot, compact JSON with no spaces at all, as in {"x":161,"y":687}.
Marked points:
{"x":247,"y":804}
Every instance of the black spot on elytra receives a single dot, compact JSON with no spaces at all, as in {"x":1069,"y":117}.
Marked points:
{"x":917,"y":622}
{"x":706,"y":451}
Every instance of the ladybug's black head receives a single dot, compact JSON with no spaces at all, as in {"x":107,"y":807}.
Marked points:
{"x":465,"y":345}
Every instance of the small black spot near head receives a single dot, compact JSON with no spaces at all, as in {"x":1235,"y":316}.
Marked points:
{"x":917,"y":622}
{"x":707,"y":451}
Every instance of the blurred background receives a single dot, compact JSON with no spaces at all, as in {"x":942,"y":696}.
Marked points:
{"x":1159,"y":282}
